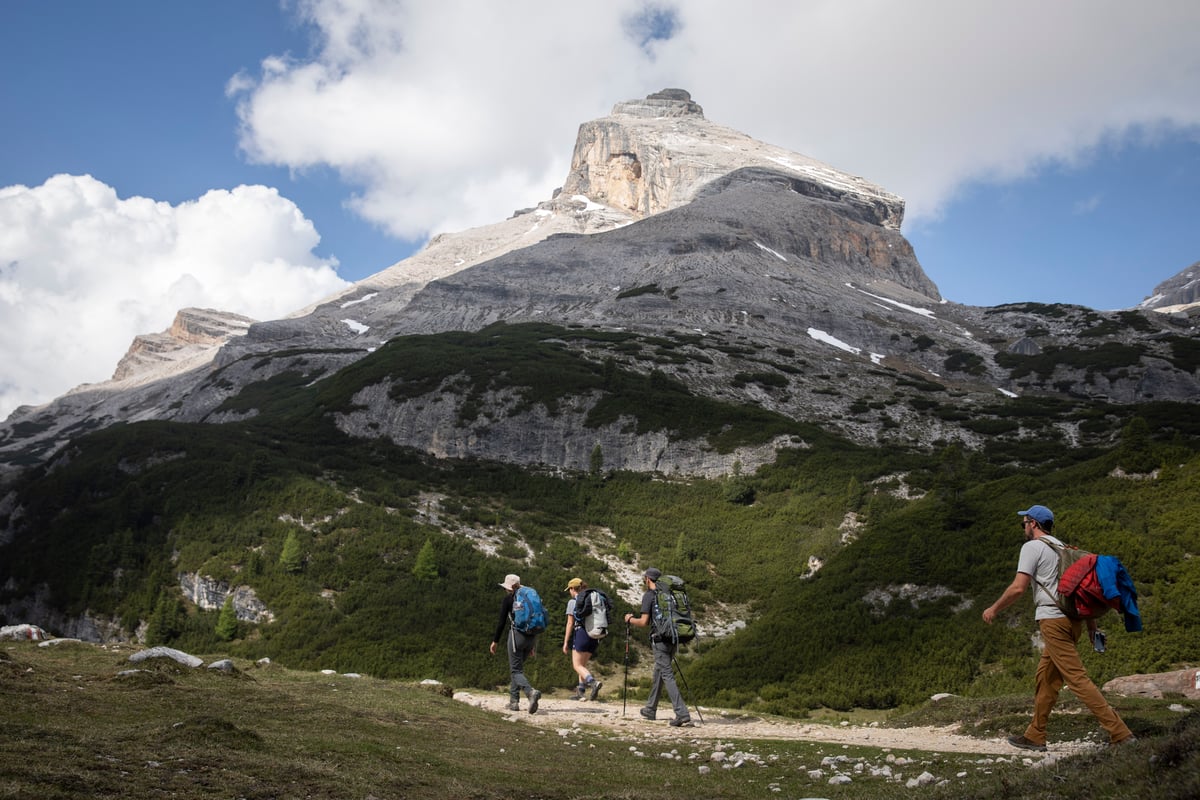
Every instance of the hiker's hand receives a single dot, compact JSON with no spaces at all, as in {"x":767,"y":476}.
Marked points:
{"x":492,"y":649}
{"x":989,"y":615}
{"x":565,"y":648}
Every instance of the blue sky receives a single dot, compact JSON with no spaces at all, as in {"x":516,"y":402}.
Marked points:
{"x":255,"y":156}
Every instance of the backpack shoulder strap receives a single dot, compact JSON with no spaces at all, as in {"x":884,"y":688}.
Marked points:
{"x":1058,"y":548}
{"x":1053,"y":544}
{"x":583,"y":604}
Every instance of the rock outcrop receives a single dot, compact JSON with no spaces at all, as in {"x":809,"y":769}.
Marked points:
{"x":195,"y":332}
{"x":23,"y":633}
{"x":210,"y":595}
{"x":655,"y":154}
{"x":1184,"y":682}
{"x":1177,"y":294}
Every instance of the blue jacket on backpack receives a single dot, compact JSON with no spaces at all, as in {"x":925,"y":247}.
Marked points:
{"x":1115,"y":582}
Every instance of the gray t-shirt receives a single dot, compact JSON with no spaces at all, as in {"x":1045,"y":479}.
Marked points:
{"x":1040,"y":562}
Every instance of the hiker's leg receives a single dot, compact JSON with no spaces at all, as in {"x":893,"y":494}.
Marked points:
{"x":519,"y":647}
{"x":579,"y":664}
{"x":1075,"y":676}
{"x":587,"y":647}
{"x":662,"y":668}
{"x":681,"y":709}
{"x":1048,"y":681}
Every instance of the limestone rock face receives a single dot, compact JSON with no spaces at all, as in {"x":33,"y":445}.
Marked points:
{"x":655,"y":154}
{"x":210,"y":595}
{"x":667,"y":103}
{"x":38,"y":606}
{"x":535,"y":437}
{"x":195,"y":331}
{"x":1180,"y":293}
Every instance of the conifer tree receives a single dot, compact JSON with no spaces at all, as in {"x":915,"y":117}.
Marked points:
{"x":227,"y":623}
{"x":290,"y":558}
{"x":166,"y":622}
{"x":426,"y":567}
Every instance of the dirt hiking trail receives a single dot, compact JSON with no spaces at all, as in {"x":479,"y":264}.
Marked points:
{"x":605,"y":715}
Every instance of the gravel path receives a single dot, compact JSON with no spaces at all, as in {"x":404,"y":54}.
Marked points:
{"x":563,"y":713}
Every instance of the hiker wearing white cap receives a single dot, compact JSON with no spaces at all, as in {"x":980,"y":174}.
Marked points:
{"x":521,"y":645}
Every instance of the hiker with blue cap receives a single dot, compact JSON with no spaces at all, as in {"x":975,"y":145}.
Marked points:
{"x":1060,"y":662}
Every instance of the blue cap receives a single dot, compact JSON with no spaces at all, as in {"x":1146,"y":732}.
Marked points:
{"x":1039,"y":513}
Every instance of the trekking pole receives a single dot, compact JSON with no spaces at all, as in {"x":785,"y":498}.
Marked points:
{"x":687,"y":689}
{"x":625,"y":682}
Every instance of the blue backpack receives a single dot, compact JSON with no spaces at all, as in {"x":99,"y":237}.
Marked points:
{"x":528,"y":613}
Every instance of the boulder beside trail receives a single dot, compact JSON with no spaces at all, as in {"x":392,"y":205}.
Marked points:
{"x":1184,"y":682}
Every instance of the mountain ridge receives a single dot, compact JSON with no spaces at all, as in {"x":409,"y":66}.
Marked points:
{"x":689,"y":229}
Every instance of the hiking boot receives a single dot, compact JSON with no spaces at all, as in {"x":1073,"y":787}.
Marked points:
{"x":595,"y":690}
{"x":1127,"y":740}
{"x":513,"y":706}
{"x":579,"y":692}
{"x":647,"y":714}
{"x":534,"y":696}
{"x":681,"y":722}
{"x":1026,"y":744}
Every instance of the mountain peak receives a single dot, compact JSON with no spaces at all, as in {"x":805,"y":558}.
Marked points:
{"x":195,"y":333}
{"x":1179,"y":293}
{"x":661,"y":152}
{"x":667,"y":103}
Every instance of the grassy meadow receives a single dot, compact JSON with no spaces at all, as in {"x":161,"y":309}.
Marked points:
{"x":75,"y":726}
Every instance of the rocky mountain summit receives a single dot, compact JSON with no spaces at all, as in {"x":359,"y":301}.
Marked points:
{"x":194,"y":333}
{"x":747,"y":273}
{"x":1178,"y":294}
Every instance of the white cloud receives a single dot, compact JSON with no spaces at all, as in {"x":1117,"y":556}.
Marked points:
{"x":447,"y":115}
{"x":1087,"y":205}
{"x":451,"y":114}
{"x":82,"y":272}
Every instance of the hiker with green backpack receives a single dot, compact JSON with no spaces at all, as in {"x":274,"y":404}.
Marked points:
{"x":522,"y":611}
{"x":1038,"y":566}
{"x":664,"y":640}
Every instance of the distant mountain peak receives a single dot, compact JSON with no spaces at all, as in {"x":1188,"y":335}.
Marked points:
{"x":1179,"y":293}
{"x":667,"y":103}
{"x":195,"y":332}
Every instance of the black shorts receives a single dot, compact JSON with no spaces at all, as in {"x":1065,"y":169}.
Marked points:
{"x":583,"y":643}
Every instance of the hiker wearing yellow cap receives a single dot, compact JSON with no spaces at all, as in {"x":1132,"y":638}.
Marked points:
{"x":580,"y":645}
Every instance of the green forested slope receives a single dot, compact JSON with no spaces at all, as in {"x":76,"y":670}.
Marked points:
{"x":327,"y":531}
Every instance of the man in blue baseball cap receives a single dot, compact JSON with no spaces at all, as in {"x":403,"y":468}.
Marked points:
{"x":1060,"y":662}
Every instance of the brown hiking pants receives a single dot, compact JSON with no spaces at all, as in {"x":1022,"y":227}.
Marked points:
{"x":1060,"y":664}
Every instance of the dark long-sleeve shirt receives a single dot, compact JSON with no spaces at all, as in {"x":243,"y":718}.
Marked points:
{"x":505,"y":615}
